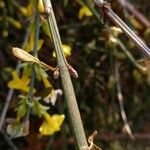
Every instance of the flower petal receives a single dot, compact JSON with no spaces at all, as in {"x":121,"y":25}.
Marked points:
{"x":19,"y":83}
{"x":84,"y":12}
{"x":51,"y":124}
{"x":66,"y":49}
{"x":52,"y":97}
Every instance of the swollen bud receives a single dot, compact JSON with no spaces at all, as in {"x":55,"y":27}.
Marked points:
{"x":56,"y":73}
{"x":72,"y":71}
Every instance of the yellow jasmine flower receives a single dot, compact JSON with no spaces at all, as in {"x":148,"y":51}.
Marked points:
{"x":51,"y":124}
{"x":136,"y":23}
{"x":14,"y":22}
{"x":30,"y":45}
{"x":23,"y":10}
{"x":112,"y":41}
{"x":27,"y":11}
{"x":67,"y":50}
{"x":40,"y":6}
{"x":116,"y":31}
{"x":46,"y":82}
{"x":19,"y":83}
{"x":45,"y":28}
{"x":84,"y":12}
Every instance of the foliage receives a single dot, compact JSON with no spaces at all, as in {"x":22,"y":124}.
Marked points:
{"x":98,"y":52}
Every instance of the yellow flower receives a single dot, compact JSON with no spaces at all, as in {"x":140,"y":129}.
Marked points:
{"x":27,"y":11}
{"x":30,"y":45}
{"x":23,"y":10}
{"x":67,"y":50}
{"x":112,"y":41}
{"x":84,"y":12}
{"x":19,"y":83}
{"x":115,"y":31}
{"x":136,"y":23}
{"x":14,"y":22}
{"x":45,"y":28}
{"x":46,"y":82}
{"x":40,"y":6}
{"x":51,"y":124}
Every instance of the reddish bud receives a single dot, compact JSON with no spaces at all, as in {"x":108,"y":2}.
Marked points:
{"x":72,"y":71}
{"x":56,"y":73}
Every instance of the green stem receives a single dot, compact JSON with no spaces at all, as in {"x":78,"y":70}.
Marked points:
{"x":8,"y":140}
{"x":91,"y":7}
{"x":50,"y":141}
{"x":34,"y":52}
{"x":130,"y":57}
{"x":11,"y":91}
{"x":73,"y":111}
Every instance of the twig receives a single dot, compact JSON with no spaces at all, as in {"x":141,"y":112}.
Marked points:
{"x":108,"y":137}
{"x":35,"y":54}
{"x":112,"y":137}
{"x":6,"y":105}
{"x":141,"y":68}
{"x":116,"y":19}
{"x":139,"y":16}
{"x":11,"y":91}
{"x":49,"y":143}
{"x":8,"y":140}
{"x":121,"y":104}
{"x":72,"y":106}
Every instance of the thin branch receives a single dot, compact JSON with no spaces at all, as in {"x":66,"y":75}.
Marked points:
{"x":73,"y":111}
{"x":5,"y":108}
{"x":140,"y":68}
{"x":117,"y":20}
{"x":108,"y":137}
{"x":112,"y":137}
{"x":35,"y":54}
{"x":120,"y":99}
{"x":138,"y":15}
{"x":8,"y":140}
{"x":11,"y":91}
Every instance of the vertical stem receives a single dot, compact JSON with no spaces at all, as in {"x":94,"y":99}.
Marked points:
{"x":34,"y":52}
{"x":8,"y":140}
{"x":73,"y":111}
{"x":121,"y":103}
{"x":11,"y":91}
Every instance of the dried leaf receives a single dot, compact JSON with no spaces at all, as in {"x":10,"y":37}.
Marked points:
{"x":16,"y":130}
{"x":91,"y":142}
{"x":24,"y":56}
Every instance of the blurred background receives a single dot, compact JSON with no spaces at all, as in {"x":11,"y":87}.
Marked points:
{"x":106,"y":70}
